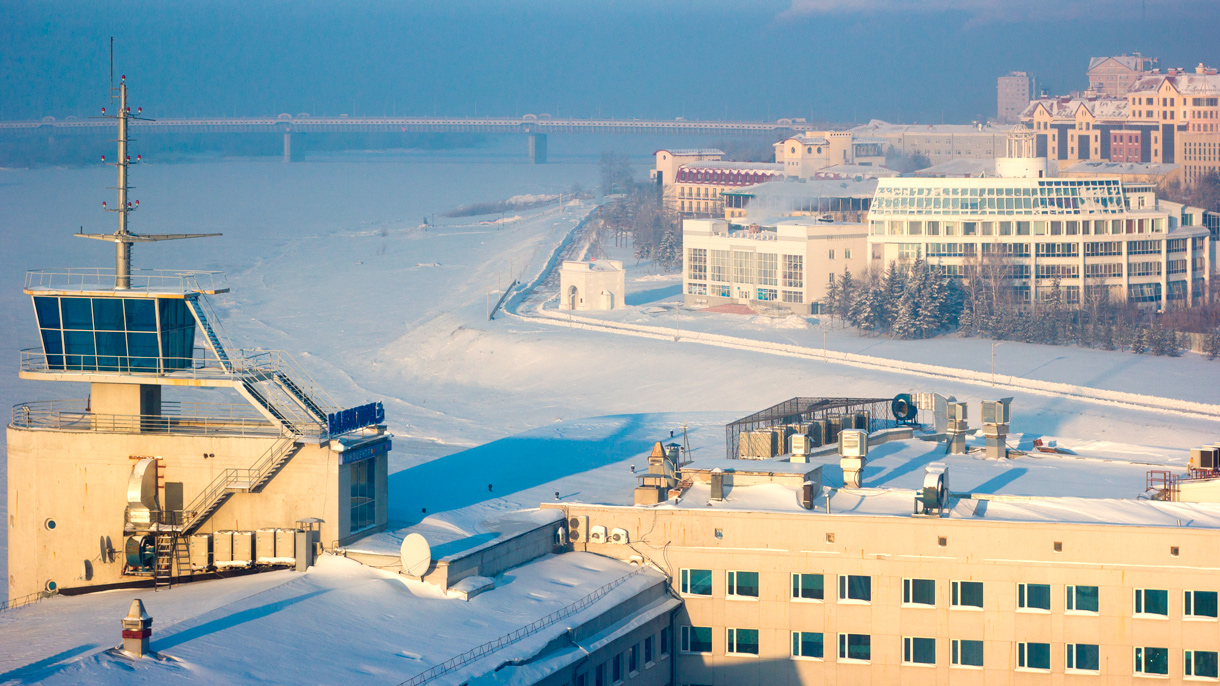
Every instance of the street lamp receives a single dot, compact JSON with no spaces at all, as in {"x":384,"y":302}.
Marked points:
{"x":993,"y":345}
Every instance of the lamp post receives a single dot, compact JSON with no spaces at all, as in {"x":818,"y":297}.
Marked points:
{"x":993,"y":345}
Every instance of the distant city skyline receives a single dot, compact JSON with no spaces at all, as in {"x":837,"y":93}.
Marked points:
{"x":823,"y":60}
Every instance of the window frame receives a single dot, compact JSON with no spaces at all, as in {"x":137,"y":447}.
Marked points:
{"x":1023,"y":599}
{"x":684,"y":583}
{"x":955,"y":652}
{"x":845,"y":588}
{"x":908,"y":651}
{"x":1139,"y":660}
{"x":797,"y":585}
{"x":908,"y":594}
{"x":955,"y":596}
{"x":730,"y":588}
{"x":1189,"y":603}
{"x":1189,"y":667}
{"x":1071,"y":601}
{"x":844,"y":648}
{"x":797,"y":640}
{"x":684,"y":635}
{"x":1139,"y":604}
{"x":1022,"y":655}
{"x":1071,"y":656}
{"x":731,"y":642}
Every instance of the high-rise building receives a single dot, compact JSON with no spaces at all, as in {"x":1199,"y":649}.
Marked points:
{"x":1013,"y":93}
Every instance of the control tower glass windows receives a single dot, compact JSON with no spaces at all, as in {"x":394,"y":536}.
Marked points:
{"x":177,"y":333}
{"x":115,"y":334}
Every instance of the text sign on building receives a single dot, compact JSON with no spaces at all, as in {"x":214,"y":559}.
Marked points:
{"x":364,"y":452}
{"x":344,"y":421}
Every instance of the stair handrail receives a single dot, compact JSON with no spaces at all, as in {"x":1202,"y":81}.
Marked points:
{"x":192,"y":513}
{"x":285,"y":363}
{"x":214,"y":321}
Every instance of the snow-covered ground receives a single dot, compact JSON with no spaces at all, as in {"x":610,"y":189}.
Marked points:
{"x":328,"y":260}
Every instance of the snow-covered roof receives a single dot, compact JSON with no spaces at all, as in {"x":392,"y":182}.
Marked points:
{"x":848,"y":171}
{"x":1104,"y":167}
{"x":691,"y":152}
{"x":1132,"y":62}
{"x":738,"y":166}
{"x":814,"y":188}
{"x":880,"y":127}
{"x":1184,"y":83}
{"x":1066,"y":108}
{"x":961,"y":167}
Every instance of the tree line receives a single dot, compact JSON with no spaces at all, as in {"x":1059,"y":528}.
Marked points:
{"x":916,"y":300}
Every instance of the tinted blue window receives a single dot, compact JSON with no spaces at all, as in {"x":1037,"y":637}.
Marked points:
{"x":47,"y":310}
{"x":77,"y":313}
{"x":177,"y":334}
{"x":143,"y":350}
{"x":53,"y":346}
{"x":107,"y":314}
{"x":78,"y":346}
{"x":111,"y":350}
{"x":141,"y":315}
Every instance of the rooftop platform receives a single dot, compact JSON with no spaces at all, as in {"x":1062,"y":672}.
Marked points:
{"x":150,"y":283}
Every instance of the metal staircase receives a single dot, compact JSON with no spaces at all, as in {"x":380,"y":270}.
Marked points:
{"x":285,"y":382}
{"x":251,"y":393}
{"x":199,"y":309}
{"x":232,"y":481}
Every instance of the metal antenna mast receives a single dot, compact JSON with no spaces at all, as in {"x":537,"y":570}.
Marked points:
{"x":122,"y":238}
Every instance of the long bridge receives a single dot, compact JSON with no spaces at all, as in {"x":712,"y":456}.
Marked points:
{"x":536,"y":127}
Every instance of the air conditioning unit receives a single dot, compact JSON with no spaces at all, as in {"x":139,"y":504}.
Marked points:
{"x":853,"y":443}
{"x":200,"y":547}
{"x":935,"y":492}
{"x":264,"y":546}
{"x":222,"y":548}
{"x":597,"y":534}
{"x":243,"y":548}
{"x":578,"y":529}
{"x":618,"y":536}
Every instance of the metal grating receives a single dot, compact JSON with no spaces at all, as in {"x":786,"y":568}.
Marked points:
{"x":804,"y":410}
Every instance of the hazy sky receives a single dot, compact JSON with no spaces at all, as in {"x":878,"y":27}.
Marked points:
{"x":839,"y":60}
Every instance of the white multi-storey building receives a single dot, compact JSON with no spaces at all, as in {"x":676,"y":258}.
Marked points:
{"x":1082,"y":233}
{"x":783,"y":262}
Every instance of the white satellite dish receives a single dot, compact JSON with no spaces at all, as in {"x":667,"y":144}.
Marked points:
{"x":416,"y":555}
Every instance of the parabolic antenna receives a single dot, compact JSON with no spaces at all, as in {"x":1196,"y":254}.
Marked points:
{"x":416,"y":555}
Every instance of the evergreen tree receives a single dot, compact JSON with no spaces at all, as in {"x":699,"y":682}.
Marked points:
{"x":830,"y":303}
{"x":1211,"y":345}
{"x":847,"y":295}
{"x":1139,"y":341}
{"x":906,"y":313}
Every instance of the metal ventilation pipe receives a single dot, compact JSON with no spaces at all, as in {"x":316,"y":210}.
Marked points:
{"x":717,"y":484}
{"x":807,"y":495}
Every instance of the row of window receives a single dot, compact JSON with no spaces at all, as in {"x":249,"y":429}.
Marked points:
{"x":964,"y":594}
{"x":628,"y":663}
{"x":1096,"y":227}
{"x":765,"y":269}
{"x":916,"y":650}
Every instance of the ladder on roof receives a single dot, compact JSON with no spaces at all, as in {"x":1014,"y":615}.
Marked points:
{"x":163,"y":566}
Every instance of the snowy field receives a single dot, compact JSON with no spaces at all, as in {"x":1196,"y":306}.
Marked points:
{"x":328,"y":260}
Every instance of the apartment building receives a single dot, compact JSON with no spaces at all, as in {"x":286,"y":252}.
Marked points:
{"x":1014,"y":90}
{"x":783,"y":263}
{"x":1113,"y":76}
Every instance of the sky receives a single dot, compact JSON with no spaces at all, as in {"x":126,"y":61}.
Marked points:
{"x":829,"y":60}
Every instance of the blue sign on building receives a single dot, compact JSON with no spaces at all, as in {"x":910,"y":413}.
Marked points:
{"x":344,"y":421}
{"x":364,"y":452}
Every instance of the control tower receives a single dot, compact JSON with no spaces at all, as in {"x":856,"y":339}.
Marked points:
{"x":138,"y":481}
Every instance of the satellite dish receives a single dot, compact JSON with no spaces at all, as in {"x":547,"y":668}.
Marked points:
{"x":416,"y":555}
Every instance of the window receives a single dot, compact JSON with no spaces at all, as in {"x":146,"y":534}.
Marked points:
{"x":363,"y":475}
{"x":857,"y":647}
{"x":794,"y":271}
{"x":1081,"y":599}
{"x":696,"y":639}
{"x":767,"y":269}
{"x":967,"y":653}
{"x":649,"y":650}
{"x":919,"y":592}
{"x":616,"y":669}
{"x":697,"y":582}
{"x":1201,"y":663}
{"x":599,"y":675}
{"x":832,"y":254}
{"x":857,"y":588}
{"x":807,"y":644}
{"x":847,"y":253}
{"x":633,"y":659}
{"x":1034,"y":597}
{"x":1152,"y":661}
{"x":743,"y":267}
{"x":1151,"y":602}
{"x":1082,"y":657}
{"x":696,"y":264}
{"x":967,"y":594}
{"x":807,"y":587}
{"x":743,"y":585}
{"x":742,"y":642}
{"x":720,"y":266}
{"x":1199,"y":604}
{"x":918,"y":651}
{"x":1034,"y":656}
{"x":665,"y":642}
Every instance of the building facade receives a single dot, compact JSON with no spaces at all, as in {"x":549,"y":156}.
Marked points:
{"x":592,"y":285}
{"x":1014,"y":90}
{"x":785,"y":263}
{"x":1080,"y":235}
{"x":1113,"y":76}
{"x":938,"y":142}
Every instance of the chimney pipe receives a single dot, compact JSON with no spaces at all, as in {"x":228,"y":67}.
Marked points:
{"x":137,"y":628}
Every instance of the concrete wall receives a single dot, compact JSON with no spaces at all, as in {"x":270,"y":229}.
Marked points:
{"x":493,"y":559}
{"x":79,"y":479}
{"x":1117,"y":559}
{"x":596,"y":288}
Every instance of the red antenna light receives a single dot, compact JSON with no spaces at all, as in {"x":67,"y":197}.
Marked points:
{"x":123,"y":77}
{"x":103,"y":204}
{"x":137,"y":158}
{"x":129,"y":158}
{"x":137,"y":203}
{"x":129,"y":206}
{"x":139,"y":110}
{"x":103,"y":110}
{"x":103,"y":158}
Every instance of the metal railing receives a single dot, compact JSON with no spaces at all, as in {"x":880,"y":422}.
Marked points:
{"x":29,"y":599}
{"x":508,"y":639}
{"x":196,"y":512}
{"x":73,"y":415}
{"x":102,"y":279}
{"x":199,"y":366}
